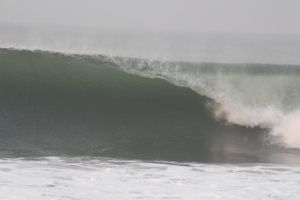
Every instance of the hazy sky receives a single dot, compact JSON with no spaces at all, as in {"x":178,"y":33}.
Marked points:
{"x":261,"y":16}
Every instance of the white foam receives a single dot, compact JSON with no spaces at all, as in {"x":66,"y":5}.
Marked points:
{"x":78,"y":178}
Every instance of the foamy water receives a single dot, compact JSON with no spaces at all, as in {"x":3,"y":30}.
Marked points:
{"x":101,"y":178}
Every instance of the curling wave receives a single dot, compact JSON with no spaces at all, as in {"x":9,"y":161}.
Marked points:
{"x":55,"y":104}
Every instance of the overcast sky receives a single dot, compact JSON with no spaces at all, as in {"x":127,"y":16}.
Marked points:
{"x":260,"y":16}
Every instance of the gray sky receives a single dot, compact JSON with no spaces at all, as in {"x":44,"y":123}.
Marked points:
{"x":260,"y":16}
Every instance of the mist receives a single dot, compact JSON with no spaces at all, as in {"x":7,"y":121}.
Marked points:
{"x":255,"y":16}
{"x":257,"y":31}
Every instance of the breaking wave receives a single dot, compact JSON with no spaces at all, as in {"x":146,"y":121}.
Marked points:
{"x":263,"y":95}
{"x":53,"y":104}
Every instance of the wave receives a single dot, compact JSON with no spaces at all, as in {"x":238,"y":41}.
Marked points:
{"x":54,"y":104}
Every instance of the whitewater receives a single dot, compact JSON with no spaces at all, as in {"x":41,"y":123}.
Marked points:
{"x":80,"y":178}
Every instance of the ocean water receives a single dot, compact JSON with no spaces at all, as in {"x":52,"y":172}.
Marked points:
{"x":169,"y":118}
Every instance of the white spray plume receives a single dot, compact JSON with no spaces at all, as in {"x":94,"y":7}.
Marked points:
{"x":288,"y":130}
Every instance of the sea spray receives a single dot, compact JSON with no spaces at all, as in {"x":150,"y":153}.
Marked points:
{"x":288,"y":130}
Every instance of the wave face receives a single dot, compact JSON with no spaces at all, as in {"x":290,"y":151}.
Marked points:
{"x":54,"y":104}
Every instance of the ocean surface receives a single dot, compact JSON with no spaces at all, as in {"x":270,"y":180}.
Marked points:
{"x":90,"y":124}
